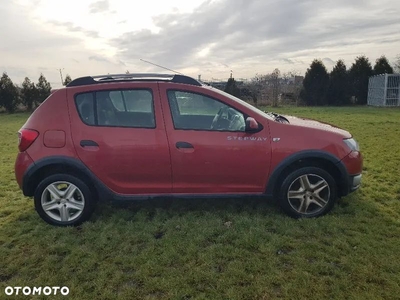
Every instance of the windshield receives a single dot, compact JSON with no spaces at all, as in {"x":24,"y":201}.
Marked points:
{"x":244,"y":103}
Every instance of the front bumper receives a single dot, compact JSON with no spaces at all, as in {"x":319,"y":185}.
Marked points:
{"x":354,"y":182}
{"x":353,"y":164}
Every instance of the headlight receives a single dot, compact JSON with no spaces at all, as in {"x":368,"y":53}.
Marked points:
{"x":352,"y":144}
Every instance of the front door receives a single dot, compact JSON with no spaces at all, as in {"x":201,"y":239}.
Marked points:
{"x":120,"y":136}
{"x":211,"y":153}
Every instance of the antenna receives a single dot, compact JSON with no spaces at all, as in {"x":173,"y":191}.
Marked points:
{"x":62,"y":79}
{"x":160,"y":66}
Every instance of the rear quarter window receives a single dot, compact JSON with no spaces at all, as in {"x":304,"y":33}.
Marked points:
{"x":85,"y":106}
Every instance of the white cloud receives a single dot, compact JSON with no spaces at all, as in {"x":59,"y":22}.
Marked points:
{"x":197,"y":37}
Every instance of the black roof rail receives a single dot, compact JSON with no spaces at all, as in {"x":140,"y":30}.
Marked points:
{"x":88,"y":80}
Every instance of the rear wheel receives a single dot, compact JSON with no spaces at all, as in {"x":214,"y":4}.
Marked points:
{"x":63,"y":200}
{"x":308,"y":192}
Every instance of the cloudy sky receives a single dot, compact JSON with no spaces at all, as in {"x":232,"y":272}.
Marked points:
{"x":207,"y":37}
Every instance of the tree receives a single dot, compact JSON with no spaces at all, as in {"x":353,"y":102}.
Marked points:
{"x":231,"y":87}
{"x":268,"y":88}
{"x":29,"y":94}
{"x":43,"y":88}
{"x":253,"y":89}
{"x":382,"y":66}
{"x":8,"y":94}
{"x":261,"y":87}
{"x":338,"y":87}
{"x":275,"y":86}
{"x":292,"y":86}
{"x":315,"y":84}
{"x":359,"y":74}
{"x":67,"y":80}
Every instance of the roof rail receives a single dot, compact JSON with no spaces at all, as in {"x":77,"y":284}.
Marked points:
{"x":88,"y":80}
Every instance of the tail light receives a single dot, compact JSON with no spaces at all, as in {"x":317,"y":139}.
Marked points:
{"x":25,"y":138}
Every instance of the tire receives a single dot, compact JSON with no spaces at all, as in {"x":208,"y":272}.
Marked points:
{"x":64,"y":200}
{"x":308,"y":192}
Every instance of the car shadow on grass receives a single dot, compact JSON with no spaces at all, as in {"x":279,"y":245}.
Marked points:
{"x":177,"y":207}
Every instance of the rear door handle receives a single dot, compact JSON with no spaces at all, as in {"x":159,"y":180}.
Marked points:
{"x":88,"y":143}
{"x":184,"y":145}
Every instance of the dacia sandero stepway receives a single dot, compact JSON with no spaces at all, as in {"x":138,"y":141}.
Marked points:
{"x":140,"y":136}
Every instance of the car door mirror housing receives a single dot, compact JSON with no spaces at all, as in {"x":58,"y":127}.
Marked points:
{"x":251,"y":124}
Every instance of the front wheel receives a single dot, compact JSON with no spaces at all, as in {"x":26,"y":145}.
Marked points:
{"x":308,"y":192}
{"x":63,"y":200}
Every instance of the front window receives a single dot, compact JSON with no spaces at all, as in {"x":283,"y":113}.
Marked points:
{"x":241,"y":102}
{"x":194,"y":111}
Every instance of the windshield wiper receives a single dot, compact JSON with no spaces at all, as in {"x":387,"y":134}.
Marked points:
{"x":277,"y":117}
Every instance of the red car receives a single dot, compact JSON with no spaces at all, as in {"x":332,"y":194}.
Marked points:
{"x":140,"y":136}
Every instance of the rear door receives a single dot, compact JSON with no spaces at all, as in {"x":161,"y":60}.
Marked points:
{"x":119,"y":134}
{"x":209,"y":158}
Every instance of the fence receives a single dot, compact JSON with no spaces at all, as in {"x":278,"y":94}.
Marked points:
{"x":384,"y":90}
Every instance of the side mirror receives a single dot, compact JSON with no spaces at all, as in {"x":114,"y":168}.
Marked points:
{"x":251,"y":124}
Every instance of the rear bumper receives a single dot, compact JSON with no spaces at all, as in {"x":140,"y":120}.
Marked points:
{"x":22,"y":163}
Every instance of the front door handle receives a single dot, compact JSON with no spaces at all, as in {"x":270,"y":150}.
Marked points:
{"x":88,"y":143}
{"x":184,"y":145}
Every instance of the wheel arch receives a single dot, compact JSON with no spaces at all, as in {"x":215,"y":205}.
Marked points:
{"x":55,"y":165}
{"x":309,"y":158}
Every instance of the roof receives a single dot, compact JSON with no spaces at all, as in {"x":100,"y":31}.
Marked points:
{"x":89,"y":80}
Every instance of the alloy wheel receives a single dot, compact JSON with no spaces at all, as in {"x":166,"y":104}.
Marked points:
{"x":63,"y":201}
{"x":308,"y":194}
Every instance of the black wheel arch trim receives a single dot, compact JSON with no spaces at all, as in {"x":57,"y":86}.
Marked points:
{"x":273,"y":180}
{"x":28,"y":187}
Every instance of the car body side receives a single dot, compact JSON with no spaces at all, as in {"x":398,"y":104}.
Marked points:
{"x":142,"y":163}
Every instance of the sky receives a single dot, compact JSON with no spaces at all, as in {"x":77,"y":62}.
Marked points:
{"x":207,"y":37}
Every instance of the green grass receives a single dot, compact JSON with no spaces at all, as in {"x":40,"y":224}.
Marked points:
{"x":217,"y":249}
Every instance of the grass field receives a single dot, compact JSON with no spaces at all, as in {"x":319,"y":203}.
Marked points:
{"x":217,"y":249}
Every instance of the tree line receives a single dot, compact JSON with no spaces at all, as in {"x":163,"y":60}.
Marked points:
{"x":319,"y":87}
{"x":267,"y":87}
{"x":29,"y":94}
{"x":341,"y":86}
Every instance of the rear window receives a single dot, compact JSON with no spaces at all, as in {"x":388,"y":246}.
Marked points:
{"x":117,"y":108}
